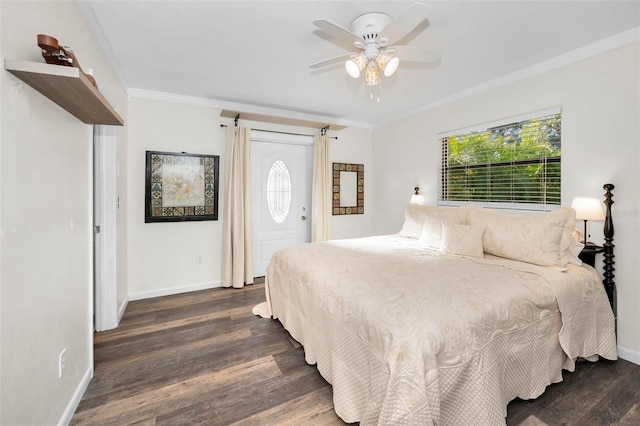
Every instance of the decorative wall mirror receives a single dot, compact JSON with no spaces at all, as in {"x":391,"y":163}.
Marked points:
{"x":348,"y":188}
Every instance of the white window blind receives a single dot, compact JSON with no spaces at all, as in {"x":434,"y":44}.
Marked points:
{"x":513,"y":165}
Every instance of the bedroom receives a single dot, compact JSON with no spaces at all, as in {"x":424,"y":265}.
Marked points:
{"x":45,"y":266}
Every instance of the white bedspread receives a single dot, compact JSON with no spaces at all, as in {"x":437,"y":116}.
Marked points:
{"x":407,"y":335}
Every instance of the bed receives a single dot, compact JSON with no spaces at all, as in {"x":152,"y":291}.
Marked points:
{"x":446,"y":322}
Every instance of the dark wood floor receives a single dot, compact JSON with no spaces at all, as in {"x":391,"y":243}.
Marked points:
{"x":204,"y":358}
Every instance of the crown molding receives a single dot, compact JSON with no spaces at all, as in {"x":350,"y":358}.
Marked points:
{"x":245,"y":108}
{"x":599,"y":47}
{"x":585,"y":52}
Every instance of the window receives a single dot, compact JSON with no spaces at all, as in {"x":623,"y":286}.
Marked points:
{"x":510,"y":164}
{"x":279,"y":191}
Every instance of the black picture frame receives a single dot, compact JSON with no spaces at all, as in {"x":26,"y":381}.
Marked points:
{"x":181,"y":187}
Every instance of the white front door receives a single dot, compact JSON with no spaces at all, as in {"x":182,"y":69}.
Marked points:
{"x":281,"y":168}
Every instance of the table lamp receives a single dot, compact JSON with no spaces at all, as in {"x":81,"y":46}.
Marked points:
{"x":587,"y":208}
{"x":416,"y":198}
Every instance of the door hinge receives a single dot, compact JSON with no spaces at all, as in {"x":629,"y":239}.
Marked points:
{"x":96,"y":229}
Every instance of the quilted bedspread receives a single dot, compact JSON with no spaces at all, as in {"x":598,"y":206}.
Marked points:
{"x":407,"y":335}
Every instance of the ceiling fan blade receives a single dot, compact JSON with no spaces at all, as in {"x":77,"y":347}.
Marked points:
{"x":417,"y":53}
{"x":404,"y":23}
{"x":331,"y":61}
{"x":337,"y":34}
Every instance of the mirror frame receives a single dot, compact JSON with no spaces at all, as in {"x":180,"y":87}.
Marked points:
{"x":348,"y":167}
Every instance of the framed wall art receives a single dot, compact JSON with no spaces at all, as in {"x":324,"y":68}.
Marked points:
{"x":348,"y":188}
{"x":181,"y":187}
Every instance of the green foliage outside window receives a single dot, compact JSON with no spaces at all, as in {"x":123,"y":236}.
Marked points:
{"x":514,"y":163}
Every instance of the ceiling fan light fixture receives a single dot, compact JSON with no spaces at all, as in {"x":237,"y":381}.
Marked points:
{"x":355,"y":65}
{"x":375,"y":35}
{"x":388,"y":64}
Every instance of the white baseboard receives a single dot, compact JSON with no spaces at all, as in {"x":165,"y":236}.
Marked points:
{"x":174,"y":290}
{"x":75,"y":399}
{"x":629,"y":355}
{"x":122,"y":308}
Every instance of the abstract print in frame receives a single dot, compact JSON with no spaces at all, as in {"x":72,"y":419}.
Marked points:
{"x":181,"y":187}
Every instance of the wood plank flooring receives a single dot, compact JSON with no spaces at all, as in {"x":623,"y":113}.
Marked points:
{"x":204,"y":358}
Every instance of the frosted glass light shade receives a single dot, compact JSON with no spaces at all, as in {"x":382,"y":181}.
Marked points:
{"x":588,"y":208}
{"x":391,"y":67}
{"x":371,"y":76}
{"x":388,"y":64}
{"x":355,"y":65}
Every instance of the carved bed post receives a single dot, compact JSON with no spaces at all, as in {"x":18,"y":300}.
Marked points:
{"x":609,"y":283}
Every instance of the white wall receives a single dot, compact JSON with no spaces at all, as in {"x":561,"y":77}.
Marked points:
{"x":354,"y":146}
{"x":45,"y":222}
{"x":162,"y":256}
{"x":600,"y":101}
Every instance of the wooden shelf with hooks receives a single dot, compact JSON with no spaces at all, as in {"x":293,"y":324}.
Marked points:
{"x":69,"y":88}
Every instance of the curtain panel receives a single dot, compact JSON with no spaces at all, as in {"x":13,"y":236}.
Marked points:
{"x":237,"y":268}
{"x":321,"y":193}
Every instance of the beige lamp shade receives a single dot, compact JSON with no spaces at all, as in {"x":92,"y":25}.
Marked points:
{"x":588,"y":208}
{"x":416,"y":197}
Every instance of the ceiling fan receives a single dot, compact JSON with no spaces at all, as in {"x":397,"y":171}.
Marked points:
{"x":374,"y":34}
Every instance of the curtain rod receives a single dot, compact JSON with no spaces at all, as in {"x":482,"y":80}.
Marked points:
{"x":283,"y":133}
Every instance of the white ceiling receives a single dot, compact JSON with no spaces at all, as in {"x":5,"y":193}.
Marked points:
{"x":258,"y":52}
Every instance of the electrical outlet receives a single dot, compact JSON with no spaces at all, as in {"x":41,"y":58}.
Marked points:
{"x":199,"y":259}
{"x":62,"y":363}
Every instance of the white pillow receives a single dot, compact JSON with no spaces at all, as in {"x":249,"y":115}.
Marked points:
{"x":431,"y":233}
{"x":542,"y":239}
{"x":463,"y":240}
{"x":575,"y":247}
{"x":415,"y":216}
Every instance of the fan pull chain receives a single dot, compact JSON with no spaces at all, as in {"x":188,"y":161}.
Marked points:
{"x":371,"y":92}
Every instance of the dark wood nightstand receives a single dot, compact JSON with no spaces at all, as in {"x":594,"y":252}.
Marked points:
{"x":588,"y":253}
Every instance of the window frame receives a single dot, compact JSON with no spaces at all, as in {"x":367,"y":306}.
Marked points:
{"x":444,"y":168}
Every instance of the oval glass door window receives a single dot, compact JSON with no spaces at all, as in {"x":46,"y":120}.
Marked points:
{"x":279,"y":191}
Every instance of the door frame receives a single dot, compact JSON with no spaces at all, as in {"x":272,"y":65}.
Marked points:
{"x":104,"y":230}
